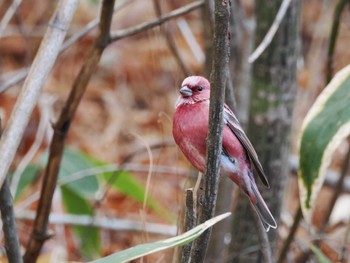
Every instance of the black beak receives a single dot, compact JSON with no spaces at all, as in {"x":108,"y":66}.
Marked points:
{"x":186,"y":91}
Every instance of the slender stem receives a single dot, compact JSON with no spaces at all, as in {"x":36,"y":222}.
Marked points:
{"x":149,"y":25}
{"x":40,"y":231}
{"x":286,"y":244}
{"x":263,"y":238}
{"x":271,"y":33}
{"x":333,"y":37}
{"x":12,"y":246}
{"x":214,"y":141}
{"x":190,"y":222}
{"x":171,"y":41}
{"x":336,"y":191}
{"x":31,"y":90}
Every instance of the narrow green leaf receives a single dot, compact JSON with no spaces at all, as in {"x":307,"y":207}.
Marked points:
{"x":72,"y":162}
{"x":28,"y":176}
{"x":89,"y":237}
{"x":149,"y":248}
{"x":126,"y":183}
{"x":325,"y":126}
{"x":321,"y":257}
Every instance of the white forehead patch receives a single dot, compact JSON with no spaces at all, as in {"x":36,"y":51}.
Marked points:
{"x":191,"y":81}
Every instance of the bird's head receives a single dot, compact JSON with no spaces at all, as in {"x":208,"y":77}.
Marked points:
{"x":194,"y":89}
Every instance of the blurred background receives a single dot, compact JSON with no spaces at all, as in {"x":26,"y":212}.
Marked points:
{"x":124,"y":123}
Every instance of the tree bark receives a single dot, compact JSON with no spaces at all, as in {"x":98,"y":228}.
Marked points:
{"x":272,"y":99}
{"x":214,"y":140}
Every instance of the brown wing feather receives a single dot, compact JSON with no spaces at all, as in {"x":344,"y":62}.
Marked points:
{"x":233,"y":124}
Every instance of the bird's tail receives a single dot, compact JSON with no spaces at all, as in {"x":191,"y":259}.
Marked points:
{"x":263,"y":211}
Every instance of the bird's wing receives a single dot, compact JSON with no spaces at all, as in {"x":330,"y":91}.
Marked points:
{"x":232,"y":122}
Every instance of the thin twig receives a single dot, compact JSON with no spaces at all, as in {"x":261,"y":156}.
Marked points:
{"x":345,"y":244}
{"x":16,"y":78}
{"x":34,"y":82}
{"x":19,"y":75}
{"x":40,"y":232}
{"x":42,"y":128}
{"x":149,"y":25}
{"x":13,"y":79}
{"x":170,"y":40}
{"x":190,"y":222}
{"x":12,"y":246}
{"x":191,"y":40}
{"x":286,"y":244}
{"x":102,"y":222}
{"x":8,"y":15}
{"x":214,"y":141}
{"x":338,"y":190}
{"x":271,"y":33}
{"x":333,"y":38}
{"x":263,"y":238}
{"x":132,"y":167}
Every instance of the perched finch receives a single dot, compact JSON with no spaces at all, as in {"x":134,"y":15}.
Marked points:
{"x":238,"y":157}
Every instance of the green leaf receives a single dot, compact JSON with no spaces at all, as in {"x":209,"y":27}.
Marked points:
{"x":325,"y":126}
{"x":75,"y":197}
{"x":28,"y":176}
{"x":89,"y":237}
{"x":146,"y":249}
{"x":126,"y":183}
{"x":321,"y":257}
{"x":72,"y":162}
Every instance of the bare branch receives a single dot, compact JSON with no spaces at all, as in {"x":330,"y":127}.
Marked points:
{"x":333,"y":38}
{"x":171,"y":41}
{"x":263,"y":238}
{"x":34,"y":82}
{"x":12,"y":246}
{"x":8,"y":15}
{"x":148,"y":25}
{"x":19,"y":75}
{"x":292,"y":231}
{"x":103,"y":222}
{"x":190,"y":222}
{"x":271,"y":33}
{"x":214,"y":141}
{"x":39,"y":233}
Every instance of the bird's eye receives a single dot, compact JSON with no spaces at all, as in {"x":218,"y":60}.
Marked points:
{"x":199,"y":88}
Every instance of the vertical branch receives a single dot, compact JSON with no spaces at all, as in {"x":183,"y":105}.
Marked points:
{"x":12,"y":245}
{"x":190,"y":222}
{"x":292,"y":231}
{"x":338,"y":189}
{"x":263,"y":238}
{"x":30,"y":92}
{"x":214,"y":142}
{"x":333,"y":38}
{"x":170,"y":41}
{"x":39,"y":233}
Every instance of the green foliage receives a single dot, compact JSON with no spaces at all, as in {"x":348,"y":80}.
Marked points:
{"x":149,"y":248}
{"x":325,"y":126}
{"x":29,"y":175}
{"x":125,"y":183}
{"x":76,"y":193}
{"x":73,"y":162}
{"x":321,"y":257}
{"x":89,"y":238}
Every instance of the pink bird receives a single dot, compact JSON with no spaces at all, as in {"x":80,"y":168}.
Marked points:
{"x":190,"y":129}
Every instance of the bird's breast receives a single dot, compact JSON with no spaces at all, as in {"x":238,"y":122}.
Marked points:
{"x":190,"y":129}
